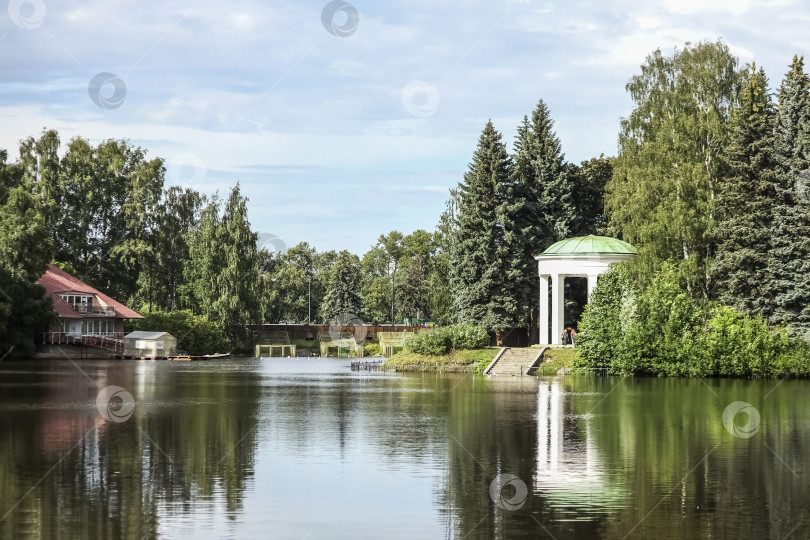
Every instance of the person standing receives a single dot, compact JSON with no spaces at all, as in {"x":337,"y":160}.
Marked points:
{"x":573,"y":337}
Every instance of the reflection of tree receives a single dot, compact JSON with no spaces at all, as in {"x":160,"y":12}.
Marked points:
{"x":664,"y":440}
{"x":492,"y":430}
{"x":191,"y":437}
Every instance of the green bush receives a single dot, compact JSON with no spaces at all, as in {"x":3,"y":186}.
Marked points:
{"x":661,"y":330}
{"x":372,"y":349}
{"x":466,"y":336}
{"x":195,"y":333}
{"x":432,"y":343}
{"x":444,"y":339}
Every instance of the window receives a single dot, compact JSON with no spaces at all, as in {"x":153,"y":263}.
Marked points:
{"x":77,"y":300}
{"x":140,"y":344}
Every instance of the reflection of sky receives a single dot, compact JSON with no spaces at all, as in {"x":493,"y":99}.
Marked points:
{"x":570,"y":474}
{"x":324,"y":474}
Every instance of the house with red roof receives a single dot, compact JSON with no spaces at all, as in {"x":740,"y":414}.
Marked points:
{"x":84,"y":314}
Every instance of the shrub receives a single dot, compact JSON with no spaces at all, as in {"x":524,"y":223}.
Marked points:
{"x":466,"y":336}
{"x":372,"y":349}
{"x":663,"y":331}
{"x":606,"y":319}
{"x":433,"y":343}
{"x":442,"y":340}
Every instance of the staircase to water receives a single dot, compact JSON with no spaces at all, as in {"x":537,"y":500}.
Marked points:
{"x":514,"y":361}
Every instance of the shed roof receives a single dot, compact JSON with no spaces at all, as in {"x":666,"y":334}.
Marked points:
{"x":589,"y":245}
{"x":140,"y":334}
{"x":56,"y":282}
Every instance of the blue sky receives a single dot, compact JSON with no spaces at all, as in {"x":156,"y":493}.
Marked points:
{"x":339,"y":138}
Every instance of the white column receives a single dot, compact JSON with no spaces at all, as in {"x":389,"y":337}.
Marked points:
{"x":557,"y":307}
{"x":544,"y":310}
{"x":591,"y":284}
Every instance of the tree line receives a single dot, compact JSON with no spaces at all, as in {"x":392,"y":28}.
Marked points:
{"x":711,"y":185}
{"x":711,"y":177}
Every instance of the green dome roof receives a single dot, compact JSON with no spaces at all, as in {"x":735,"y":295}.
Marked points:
{"x":590,"y":245}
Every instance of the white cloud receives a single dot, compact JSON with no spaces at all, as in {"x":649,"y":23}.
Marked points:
{"x":735,"y":7}
{"x":249,"y":84}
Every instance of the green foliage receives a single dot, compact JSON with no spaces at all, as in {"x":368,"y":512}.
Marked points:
{"x":480,"y":260}
{"x":661,"y":197}
{"x":790,"y":250}
{"x":195,"y":333}
{"x":98,"y":205}
{"x":161,"y":278}
{"x":537,"y":208}
{"x":25,"y":249}
{"x":222,"y":274}
{"x":444,"y":339}
{"x":25,"y":312}
{"x":433,"y":343}
{"x":372,"y":349}
{"x":745,"y":204}
{"x":589,"y":181}
{"x":606,"y":318}
{"x":663,"y":331}
{"x":342,"y":287}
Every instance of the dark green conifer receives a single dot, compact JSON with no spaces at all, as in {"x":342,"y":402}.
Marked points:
{"x":538,"y":207}
{"x":745,"y":203}
{"x":790,"y":254}
{"x":480,"y":273}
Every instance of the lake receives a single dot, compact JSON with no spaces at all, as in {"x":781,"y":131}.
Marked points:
{"x":307,"y":448}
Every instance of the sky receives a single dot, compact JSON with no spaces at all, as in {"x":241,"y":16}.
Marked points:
{"x":345,"y":120}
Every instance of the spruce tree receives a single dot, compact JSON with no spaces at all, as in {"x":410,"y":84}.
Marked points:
{"x":745,"y":203}
{"x":538,"y":208}
{"x":790,"y":253}
{"x":480,"y":262}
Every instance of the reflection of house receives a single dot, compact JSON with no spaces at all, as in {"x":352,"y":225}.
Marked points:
{"x":81,"y":309}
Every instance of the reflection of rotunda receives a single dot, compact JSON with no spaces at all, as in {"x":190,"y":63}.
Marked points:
{"x":570,"y":475}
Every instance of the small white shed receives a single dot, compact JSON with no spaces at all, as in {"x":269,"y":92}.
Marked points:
{"x":153,"y":344}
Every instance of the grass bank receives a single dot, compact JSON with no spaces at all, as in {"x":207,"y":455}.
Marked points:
{"x":556,"y":359}
{"x":463,"y":361}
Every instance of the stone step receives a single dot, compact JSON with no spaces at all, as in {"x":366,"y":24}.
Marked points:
{"x":514,"y":361}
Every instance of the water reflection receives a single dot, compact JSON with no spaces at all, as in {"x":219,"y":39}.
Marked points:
{"x":570,"y":474}
{"x":294,"y":448}
{"x":67,"y":472}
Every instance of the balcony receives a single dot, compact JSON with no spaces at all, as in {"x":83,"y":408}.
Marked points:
{"x":95,"y":311}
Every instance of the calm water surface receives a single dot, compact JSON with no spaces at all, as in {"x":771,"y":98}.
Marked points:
{"x":280,"y":448}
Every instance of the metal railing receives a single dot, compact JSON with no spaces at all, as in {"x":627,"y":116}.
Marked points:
{"x":68,"y":338}
{"x":94,"y":310}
